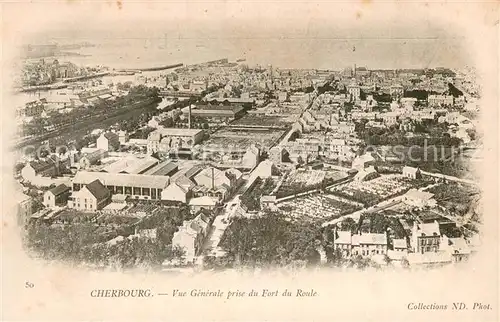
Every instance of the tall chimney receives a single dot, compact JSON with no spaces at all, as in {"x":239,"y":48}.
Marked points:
{"x":189,"y":117}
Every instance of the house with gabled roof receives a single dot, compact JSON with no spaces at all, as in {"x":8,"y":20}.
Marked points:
{"x":57,"y":196}
{"x":192,"y":234}
{"x":43,"y":168}
{"x":364,"y":244}
{"x":419,"y":198}
{"x":367,"y":244}
{"x":91,"y":197}
{"x":411,"y":172}
{"x":176,"y":192}
{"x":426,"y":237}
{"x":108,"y":141}
{"x":204,"y":202}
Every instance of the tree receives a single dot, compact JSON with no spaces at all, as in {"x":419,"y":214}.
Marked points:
{"x":270,"y":240}
{"x":349,"y":224}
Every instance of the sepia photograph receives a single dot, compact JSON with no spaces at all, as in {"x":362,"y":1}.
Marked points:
{"x":250,"y":161}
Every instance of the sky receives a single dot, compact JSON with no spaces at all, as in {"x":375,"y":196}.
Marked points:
{"x":285,"y":34}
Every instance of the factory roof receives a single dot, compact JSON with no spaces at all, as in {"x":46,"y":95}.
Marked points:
{"x":125,"y":180}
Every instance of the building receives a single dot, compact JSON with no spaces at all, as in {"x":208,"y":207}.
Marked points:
{"x":132,"y":164}
{"x":251,"y":158}
{"x":198,"y":86}
{"x":217,"y":113}
{"x":191,"y":236}
{"x":56,"y":102}
{"x":400,"y":245}
{"x":57,"y":196}
{"x":440,"y":100}
{"x":371,"y":116}
{"x":214,"y":178}
{"x":205,"y":202}
{"x":91,"y":158}
{"x":390,"y":118}
{"x":342,"y":127}
{"x":92,"y":95}
{"x":33,"y":109}
{"x":264,"y":170}
{"x":430,"y":259}
{"x":166,"y":168}
{"x":139,"y":186}
{"x":365,"y":244}
{"x":172,"y":138}
{"x":176,"y":192}
{"x":282,"y":96}
{"x":146,"y":233}
{"x":268,"y":202}
{"x":363,"y":161}
{"x":238,"y":101}
{"x":366,"y":174}
{"x":396,"y":91}
{"x":368,"y":244}
{"x":108,"y":141}
{"x":420,"y":199}
{"x":361,"y":72}
{"x":155,"y":122}
{"x":457,"y":246}
{"x":411,"y":172}
{"x":91,"y":197}
{"x":123,"y":137}
{"x":408,"y":102}
{"x":426,"y":237}
{"x":343,"y":242}
{"x":278,"y":154}
{"x":452,"y":118}
{"x":354,"y":92}
{"x":426,"y":114}
{"x":43,"y":168}
{"x":24,"y":206}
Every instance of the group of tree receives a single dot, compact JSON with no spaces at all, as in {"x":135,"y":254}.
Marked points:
{"x":431,"y":133}
{"x":85,"y":242}
{"x":270,"y":240}
{"x":251,"y":198}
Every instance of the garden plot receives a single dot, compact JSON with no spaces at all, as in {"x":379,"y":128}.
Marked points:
{"x":374,"y":191}
{"x":299,"y":181}
{"x":317,"y":207}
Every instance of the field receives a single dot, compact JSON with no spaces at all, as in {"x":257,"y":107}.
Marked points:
{"x":299,"y":181}
{"x":374,"y":191}
{"x":317,"y":207}
{"x":263,"y":120}
{"x":251,"y":198}
{"x":456,"y":197}
{"x":242,"y":139}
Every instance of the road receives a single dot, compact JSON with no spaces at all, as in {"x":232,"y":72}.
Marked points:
{"x":372,"y":209}
{"x":450,"y":178}
{"x":343,"y":181}
{"x":219,"y":226}
{"x":357,"y":214}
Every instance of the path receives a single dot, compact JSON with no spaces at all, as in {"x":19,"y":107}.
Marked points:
{"x":372,"y":209}
{"x":450,"y":178}
{"x":219,"y":227}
